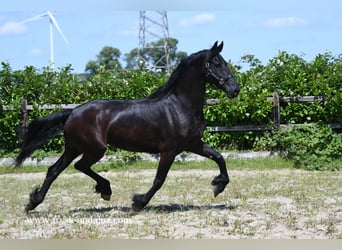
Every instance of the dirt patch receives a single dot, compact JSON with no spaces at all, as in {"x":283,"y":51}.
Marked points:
{"x":272,"y":204}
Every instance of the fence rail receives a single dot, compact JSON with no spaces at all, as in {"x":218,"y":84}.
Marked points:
{"x":275,"y":99}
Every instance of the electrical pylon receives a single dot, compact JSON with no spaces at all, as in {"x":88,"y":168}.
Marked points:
{"x":153,"y":27}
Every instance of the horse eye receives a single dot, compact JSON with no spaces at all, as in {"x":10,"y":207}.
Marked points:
{"x":216,"y":62}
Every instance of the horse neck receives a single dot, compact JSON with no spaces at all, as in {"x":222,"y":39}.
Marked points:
{"x":190,"y":89}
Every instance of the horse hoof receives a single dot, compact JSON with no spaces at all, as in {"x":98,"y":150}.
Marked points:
{"x":136,"y":207}
{"x":138,"y":202}
{"x":219,"y":184}
{"x":106,"y":197}
{"x":217,"y":190}
{"x":28,"y":208}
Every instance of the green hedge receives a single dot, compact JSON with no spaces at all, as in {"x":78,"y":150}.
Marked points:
{"x":288,"y":74}
{"x":313,"y":146}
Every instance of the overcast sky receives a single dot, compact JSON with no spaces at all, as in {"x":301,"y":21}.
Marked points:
{"x":259,"y":27}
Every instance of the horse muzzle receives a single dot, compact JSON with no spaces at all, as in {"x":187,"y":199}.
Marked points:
{"x":232,"y":89}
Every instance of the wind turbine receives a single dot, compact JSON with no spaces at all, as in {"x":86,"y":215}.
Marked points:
{"x":53,"y":22}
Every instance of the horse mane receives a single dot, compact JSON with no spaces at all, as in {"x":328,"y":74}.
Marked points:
{"x":168,"y":87}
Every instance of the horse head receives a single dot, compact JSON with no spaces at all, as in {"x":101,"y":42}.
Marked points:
{"x":217,"y":72}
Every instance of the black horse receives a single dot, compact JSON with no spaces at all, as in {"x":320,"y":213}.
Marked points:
{"x":167,"y":122}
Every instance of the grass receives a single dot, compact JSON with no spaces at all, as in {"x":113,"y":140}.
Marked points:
{"x":266,"y":198}
{"x":232,"y":164}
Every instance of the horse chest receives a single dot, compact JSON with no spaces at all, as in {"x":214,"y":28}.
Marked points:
{"x":199,"y":126}
{"x":192,"y":127}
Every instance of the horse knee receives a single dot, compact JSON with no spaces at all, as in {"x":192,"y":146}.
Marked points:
{"x":220,"y":159}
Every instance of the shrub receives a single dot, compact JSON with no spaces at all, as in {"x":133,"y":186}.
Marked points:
{"x":310,"y":146}
{"x":288,"y":74}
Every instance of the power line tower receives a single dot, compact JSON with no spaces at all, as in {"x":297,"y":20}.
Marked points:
{"x":153,"y":27}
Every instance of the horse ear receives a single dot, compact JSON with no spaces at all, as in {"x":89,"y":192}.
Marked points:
{"x":214,"y":48}
{"x":220,"y":47}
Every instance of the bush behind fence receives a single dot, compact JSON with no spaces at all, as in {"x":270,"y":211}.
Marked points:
{"x":287,"y":74}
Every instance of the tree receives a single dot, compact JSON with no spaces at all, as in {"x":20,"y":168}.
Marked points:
{"x":107,"y":58}
{"x":131,"y":59}
{"x":155,"y":56}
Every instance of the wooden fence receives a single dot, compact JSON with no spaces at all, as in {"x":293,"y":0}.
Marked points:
{"x":275,"y":99}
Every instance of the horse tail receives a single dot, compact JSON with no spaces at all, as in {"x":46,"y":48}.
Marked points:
{"x":41,"y":131}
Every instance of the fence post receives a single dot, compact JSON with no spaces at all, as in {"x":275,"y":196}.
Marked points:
{"x":24,"y":117}
{"x":276,"y":109}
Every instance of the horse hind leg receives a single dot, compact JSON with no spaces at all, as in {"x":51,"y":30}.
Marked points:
{"x":38,"y":194}
{"x":83,"y":165}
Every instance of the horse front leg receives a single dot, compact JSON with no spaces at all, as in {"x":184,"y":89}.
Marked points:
{"x":220,"y":181}
{"x":141,"y":200}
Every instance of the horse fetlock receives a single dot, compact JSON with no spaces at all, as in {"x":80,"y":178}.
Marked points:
{"x":220,"y":179}
{"x":100,"y":188}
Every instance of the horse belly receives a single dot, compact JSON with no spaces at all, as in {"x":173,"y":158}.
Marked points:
{"x":131,"y":138}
